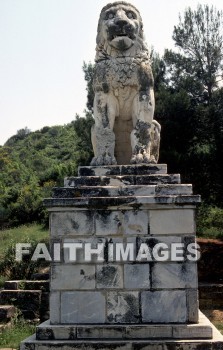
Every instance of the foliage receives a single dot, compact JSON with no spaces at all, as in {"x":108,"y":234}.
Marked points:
{"x":32,"y":163}
{"x":19,"y":330}
{"x":16,"y":270}
{"x":32,"y":232}
{"x":210,"y":222}
{"x":88,"y":69}
{"x":198,"y":66}
{"x":189,"y":102}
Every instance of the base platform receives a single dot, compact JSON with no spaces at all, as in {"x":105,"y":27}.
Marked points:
{"x":201,"y":336}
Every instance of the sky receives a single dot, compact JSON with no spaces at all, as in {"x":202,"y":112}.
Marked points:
{"x":43,"y":44}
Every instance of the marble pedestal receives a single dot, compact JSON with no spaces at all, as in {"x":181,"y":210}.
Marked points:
{"x":111,"y":302}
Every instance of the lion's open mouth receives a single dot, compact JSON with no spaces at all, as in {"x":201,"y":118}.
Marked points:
{"x":120,"y":35}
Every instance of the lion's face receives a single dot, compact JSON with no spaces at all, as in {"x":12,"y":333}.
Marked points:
{"x":120,"y":25}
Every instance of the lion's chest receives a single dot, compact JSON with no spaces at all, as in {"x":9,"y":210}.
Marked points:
{"x":117,"y":73}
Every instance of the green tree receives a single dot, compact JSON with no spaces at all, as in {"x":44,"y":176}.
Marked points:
{"x":197,"y":67}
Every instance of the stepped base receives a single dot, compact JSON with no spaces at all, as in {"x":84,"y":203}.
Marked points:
{"x":133,"y":342}
{"x":201,"y":336}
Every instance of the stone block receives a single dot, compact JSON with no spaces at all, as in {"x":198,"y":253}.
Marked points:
{"x":80,"y":252}
{"x":6,"y":312}
{"x":59,"y":332}
{"x":172,"y":221}
{"x":164,"y":306}
{"x":136,"y":276}
{"x":82,"y":307}
{"x":109,"y":276}
{"x":71,"y":277}
{"x":27,"y":285}
{"x":192,"y":305}
{"x":137,"y":190}
{"x":174,"y":275}
{"x":55,"y":307}
{"x":109,"y":170}
{"x":136,"y":222}
{"x":192,"y":331}
{"x":157,"y":179}
{"x":108,"y":222}
{"x":77,"y":222}
{"x":176,"y":189}
{"x":28,"y":302}
{"x":123,"y":307}
{"x":101,"y":332}
{"x":148,"y":331}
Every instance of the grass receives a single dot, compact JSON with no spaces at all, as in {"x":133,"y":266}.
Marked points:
{"x":219,"y":326}
{"x":12,"y":337}
{"x":9,"y":267}
{"x":21,"y":234}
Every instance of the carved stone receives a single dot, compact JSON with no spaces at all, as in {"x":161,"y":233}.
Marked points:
{"x":124,"y":130}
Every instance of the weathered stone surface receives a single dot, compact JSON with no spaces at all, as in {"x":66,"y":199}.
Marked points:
{"x":101,"y":332}
{"x":216,"y":343}
{"x":111,"y":170}
{"x":149,"y":331}
{"x":133,"y":202}
{"x":121,"y":180}
{"x":173,"y":221}
{"x":137,"y":276}
{"x":80,"y":252}
{"x":174,"y":275}
{"x":202,"y":330}
{"x":6,"y":312}
{"x":164,"y":306}
{"x":136,"y":222}
{"x":69,"y":277}
{"x":82,"y":307}
{"x":108,"y":222}
{"x":163,"y":190}
{"x":109,"y":276}
{"x":126,"y":68}
{"x":123,"y":307}
{"x":55,"y":307}
{"x":192,"y":331}
{"x":192,"y":305}
{"x":72,"y":223}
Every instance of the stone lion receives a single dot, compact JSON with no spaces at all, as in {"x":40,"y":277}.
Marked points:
{"x":124,"y":130}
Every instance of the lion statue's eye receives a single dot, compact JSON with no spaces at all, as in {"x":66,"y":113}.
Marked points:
{"x":130,"y":15}
{"x":110,"y":15}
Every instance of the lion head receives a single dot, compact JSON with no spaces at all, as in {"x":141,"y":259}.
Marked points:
{"x":120,"y":31}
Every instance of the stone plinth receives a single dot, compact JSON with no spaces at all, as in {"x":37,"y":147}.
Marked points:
{"x":146,"y":299}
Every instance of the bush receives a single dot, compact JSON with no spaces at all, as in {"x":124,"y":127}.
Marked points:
{"x":210,"y":222}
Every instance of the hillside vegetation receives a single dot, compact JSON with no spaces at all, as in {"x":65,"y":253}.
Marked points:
{"x":31,"y":163}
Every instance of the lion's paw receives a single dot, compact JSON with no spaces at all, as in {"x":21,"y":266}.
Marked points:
{"x":137,"y":159}
{"x":103,"y":160}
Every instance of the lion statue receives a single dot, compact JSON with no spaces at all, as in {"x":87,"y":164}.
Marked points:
{"x":124,"y":131}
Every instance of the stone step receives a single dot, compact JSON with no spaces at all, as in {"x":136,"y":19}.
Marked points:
{"x":115,"y":191}
{"x":27,"y":285}
{"x":28,"y":302}
{"x":130,"y":202}
{"x":203,"y":330}
{"x":40,"y":276}
{"x":122,"y":180}
{"x":6,"y":312}
{"x":111,"y":170}
{"x":216,"y":343}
